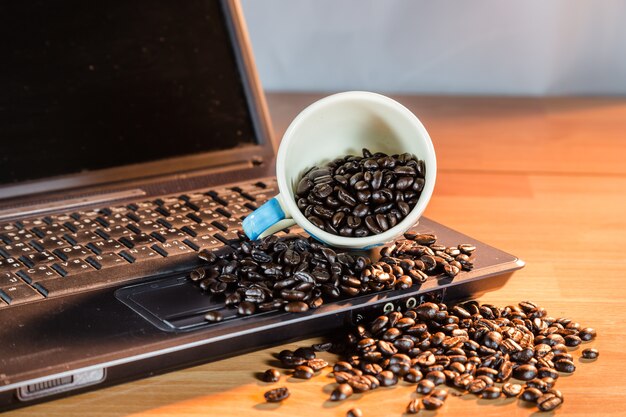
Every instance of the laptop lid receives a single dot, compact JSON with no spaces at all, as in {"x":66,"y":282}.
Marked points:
{"x":95,"y":92}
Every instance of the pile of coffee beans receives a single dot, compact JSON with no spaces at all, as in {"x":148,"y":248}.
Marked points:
{"x":297,"y":274}
{"x":514,"y":351}
{"x":357,"y":196}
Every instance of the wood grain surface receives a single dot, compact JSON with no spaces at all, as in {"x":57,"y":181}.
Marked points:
{"x":544,"y":179}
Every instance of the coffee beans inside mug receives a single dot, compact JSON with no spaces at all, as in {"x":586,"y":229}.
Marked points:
{"x":358,"y":196}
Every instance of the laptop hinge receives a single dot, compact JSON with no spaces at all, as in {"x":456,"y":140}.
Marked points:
{"x":29,"y":210}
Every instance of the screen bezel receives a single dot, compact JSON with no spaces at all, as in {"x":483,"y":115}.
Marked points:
{"x":262,"y":149}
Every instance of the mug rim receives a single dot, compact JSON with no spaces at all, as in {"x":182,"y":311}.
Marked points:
{"x":288,"y":196}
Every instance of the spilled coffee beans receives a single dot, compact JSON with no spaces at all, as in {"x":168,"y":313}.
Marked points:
{"x":296,"y":274}
{"x":476,"y":348}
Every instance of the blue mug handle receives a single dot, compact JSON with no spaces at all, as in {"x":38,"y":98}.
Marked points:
{"x":267,"y":219}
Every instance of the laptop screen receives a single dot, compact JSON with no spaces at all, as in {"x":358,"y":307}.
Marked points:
{"x":88,"y":85}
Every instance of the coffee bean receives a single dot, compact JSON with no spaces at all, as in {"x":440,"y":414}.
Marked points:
{"x":271,"y":375}
{"x":531,"y":395}
{"x":587,"y":334}
{"x":415,"y":406}
{"x":341,"y":392}
{"x":276,"y":395}
{"x":207,"y":256}
{"x":590,"y":353}
{"x":292,"y":361}
{"x":437,"y":377}
{"x":296,"y":307}
{"x":511,"y":390}
{"x":549,"y":401}
{"x":303,"y":372}
{"x":246,"y":308}
{"x":354,"y":412}
{"x":491,"y":393}
{"x":387,"y":378}
{"x":432,"y":403}
{"x":425,"y":386}
{"x":565,"y":365}
{"x":413,"y":375}
{"x":525,"y":372}
{"x":360,"y":383}
{"x":214,"y":316}
{"x":305,"y":352}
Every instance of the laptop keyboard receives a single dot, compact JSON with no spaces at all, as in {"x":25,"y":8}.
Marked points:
{"x":81,"y":250}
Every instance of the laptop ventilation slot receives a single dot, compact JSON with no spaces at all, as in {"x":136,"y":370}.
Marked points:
{"x":59,"y":385}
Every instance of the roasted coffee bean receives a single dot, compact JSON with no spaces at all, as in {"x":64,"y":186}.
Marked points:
{"x":276,"y":395}
{"x":432,"y":403}
{"x":271,"y":375}
{"x":511,"y":390}
{"x":590,"y":353}
{"x":360,"y":383}
{"x":525,"y":372}
{"x":415,"y":406}
{"x":587,"y":334}
{"x":296,"y":307}
{"x":425,"y":386}
{"x":549,"y":401}
{"x":531,"y":395}
{"x":491,"y":393}
{"x":292,"y":361}
{"x":246,"y":308}
{"x":303,"y":372}
{"x":437,"y":377}
{"x":214,"y":316}
{"x":305,"y":352}
{"x":341,"y":392}
{"x":354,"y":412}
{"x":413,"y":375}
{"x":565,"y":365}
{"x":317,"y":364}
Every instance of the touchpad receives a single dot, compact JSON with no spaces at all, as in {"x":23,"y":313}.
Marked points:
{"x":174,"y":304}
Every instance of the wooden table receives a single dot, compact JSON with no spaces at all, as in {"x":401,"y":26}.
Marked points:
{"x":544,"y":179}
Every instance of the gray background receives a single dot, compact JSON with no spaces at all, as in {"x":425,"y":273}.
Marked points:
{"x":508,"y":47}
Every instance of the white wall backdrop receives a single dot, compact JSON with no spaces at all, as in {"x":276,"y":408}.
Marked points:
{"x":529,"y":47}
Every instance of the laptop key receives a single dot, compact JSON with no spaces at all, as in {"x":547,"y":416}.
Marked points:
{"x":223,"y":212}
{"x":217,"y":198}
{"x":219,"y":225}
{"x":251,"y":206}
{"x":35,"y":258}
{"x":71,"y":267}
{"x":171,"y":248}
{"x":81,"y":237}
{"x":73,"y":252}
{"x":9,"y":265}
{"x":48,"y":243}
{"x":136,"y":240}
{"x":16,"y":250}
{"x":138,"y":254}
{"x":106,"y":260}
{"x":114,"y":232}
{"x":19,"y":293}
{"x":8,"y":279}
{"x":102,"y":246}
{"x":168,"y":235}
{"x":202,"y":242}
{"x":38,"y":273}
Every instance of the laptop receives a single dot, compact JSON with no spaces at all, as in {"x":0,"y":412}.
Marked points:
{"x":133,"y":135}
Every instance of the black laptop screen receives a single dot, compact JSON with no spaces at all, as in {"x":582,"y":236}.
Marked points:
{"x":87,"y":85}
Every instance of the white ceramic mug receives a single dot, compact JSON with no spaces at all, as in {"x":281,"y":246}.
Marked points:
{"x":334,"y":126}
